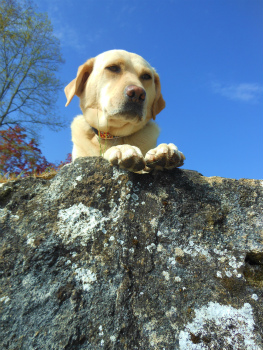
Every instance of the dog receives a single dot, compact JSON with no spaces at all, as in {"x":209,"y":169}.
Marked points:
{"x":120,"y":96}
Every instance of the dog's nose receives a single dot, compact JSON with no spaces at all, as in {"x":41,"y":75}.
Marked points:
{"x":135,"y":93}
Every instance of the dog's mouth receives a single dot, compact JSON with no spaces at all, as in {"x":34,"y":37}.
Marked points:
{"x":119,"y":121}
{"x":129,"y":111}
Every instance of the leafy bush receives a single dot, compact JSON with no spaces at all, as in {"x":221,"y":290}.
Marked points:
{"x":18,"y":157}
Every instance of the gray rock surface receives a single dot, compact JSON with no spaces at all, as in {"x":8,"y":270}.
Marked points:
{"x":100,"y":258}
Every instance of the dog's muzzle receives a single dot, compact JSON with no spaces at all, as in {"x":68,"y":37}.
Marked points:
{"x":134,"y":101}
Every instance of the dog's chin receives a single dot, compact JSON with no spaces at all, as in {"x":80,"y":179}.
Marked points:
{"x":132,"y":117}
{"x":127,"y":117}
{"x":128,"y":111}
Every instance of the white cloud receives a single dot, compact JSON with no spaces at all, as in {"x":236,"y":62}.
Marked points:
{"x":70,"y":36}
{"x":246,"y":92}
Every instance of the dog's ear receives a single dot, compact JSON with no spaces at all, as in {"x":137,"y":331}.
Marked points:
{"x":76,"y":86}
{"x":158,"y":103}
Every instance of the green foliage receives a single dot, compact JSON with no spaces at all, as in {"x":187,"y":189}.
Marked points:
{"x":29,"y":60}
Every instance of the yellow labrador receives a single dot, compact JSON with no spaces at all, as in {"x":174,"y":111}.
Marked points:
{"x":119,"y":95}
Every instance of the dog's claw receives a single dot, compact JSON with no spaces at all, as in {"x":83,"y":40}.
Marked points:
{"x":164,"y":157}
{"x":126,"y":157}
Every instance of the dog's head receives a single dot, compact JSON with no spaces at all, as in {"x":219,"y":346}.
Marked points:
{"x":119,"y":92}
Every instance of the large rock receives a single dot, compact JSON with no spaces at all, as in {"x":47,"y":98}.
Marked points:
{"x":100,"y":258}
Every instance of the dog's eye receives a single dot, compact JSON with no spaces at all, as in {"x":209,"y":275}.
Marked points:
{"x":114,"y":68}
{"x":146,"y":77}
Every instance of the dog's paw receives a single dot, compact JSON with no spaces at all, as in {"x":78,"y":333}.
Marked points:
{"x":164,"y":157}
{"x":126,"y":157}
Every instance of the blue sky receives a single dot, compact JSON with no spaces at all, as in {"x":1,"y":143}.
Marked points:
{"x":209,"y":55}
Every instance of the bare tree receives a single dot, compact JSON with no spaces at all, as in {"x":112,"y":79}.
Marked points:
{"x":29,"y":60}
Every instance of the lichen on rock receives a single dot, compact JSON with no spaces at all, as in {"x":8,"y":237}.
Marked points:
{"x":100,"y":258}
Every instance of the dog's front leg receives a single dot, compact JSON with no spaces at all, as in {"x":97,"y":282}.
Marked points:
{"x":126,"y":157}
{"x":164,"y":157}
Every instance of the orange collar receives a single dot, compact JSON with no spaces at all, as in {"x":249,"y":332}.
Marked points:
{"x":104,"y":135}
